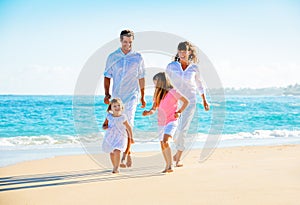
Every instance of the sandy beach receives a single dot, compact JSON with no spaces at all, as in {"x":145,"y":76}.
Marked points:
{"x":237,"y":175}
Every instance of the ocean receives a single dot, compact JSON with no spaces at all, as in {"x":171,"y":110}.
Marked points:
{"x":36,"y":127}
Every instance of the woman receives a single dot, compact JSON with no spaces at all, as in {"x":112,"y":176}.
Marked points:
{"x":185,"y":76}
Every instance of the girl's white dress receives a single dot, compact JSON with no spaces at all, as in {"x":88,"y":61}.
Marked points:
{"x":116,"y":135}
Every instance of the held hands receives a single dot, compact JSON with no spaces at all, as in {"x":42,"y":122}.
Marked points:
{"x":147,"y":113}
{"x":150,"y":112}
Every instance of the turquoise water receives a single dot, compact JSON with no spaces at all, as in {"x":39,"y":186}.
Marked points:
{"x":49,"y":122}
{"x":53,"y":115}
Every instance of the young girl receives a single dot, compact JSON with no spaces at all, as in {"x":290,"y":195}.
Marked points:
{"x":166,"y":100}
{"x":115,"y":139}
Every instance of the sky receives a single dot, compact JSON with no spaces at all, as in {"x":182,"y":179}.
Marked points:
{"x":45,"y":44}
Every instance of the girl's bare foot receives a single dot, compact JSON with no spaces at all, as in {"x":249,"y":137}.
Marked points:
{"x":129,"y":161}
{"x":169,"y":170}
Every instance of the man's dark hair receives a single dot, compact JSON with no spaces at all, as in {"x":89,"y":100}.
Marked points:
{"x":127,"y":33}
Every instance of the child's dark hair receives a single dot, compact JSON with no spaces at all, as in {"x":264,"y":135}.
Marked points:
{"x":127,"y":33}
{"x":115,"y":100}
{"x":187,"y":46}
{"x":163,"y":85}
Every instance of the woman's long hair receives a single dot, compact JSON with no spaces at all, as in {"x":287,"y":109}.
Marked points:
{"x":163,"y":85}
{"x":187,"y":46}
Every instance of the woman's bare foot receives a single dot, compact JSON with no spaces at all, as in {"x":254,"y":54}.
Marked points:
{"x":176,"y":159}
{"x":129,"y":161}
{"x":177,"y":163}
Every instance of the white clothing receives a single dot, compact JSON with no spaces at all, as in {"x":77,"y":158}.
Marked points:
{"x":126,"y":70}
{"x":116,"y":135}
{"x":168,"y":129}
{"x":188,"y":82}
{"x":184,"y":125}
{"x":129,"y":110}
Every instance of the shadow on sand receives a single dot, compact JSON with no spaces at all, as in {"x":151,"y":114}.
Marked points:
{"x":77,"y":177}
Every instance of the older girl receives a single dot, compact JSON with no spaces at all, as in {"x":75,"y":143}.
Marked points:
{"x":166,"y":101}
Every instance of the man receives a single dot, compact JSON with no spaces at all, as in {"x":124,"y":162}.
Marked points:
{"x":126,"y":68}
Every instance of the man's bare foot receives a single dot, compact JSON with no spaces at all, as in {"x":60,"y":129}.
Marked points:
{"x":129,"y":161}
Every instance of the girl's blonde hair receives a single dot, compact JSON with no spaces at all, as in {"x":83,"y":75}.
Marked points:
{"x":115,"y":100}
{"x":163,"y":85}
{"x":187,"y":46}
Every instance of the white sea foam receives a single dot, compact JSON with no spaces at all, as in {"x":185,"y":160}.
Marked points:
{"x":139,"y":136}
{"x":257,"y":134}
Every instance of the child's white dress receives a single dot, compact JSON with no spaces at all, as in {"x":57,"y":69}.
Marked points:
{"x":116,"y":135}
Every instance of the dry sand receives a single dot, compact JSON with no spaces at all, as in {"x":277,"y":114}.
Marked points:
{"x":240,"y":175}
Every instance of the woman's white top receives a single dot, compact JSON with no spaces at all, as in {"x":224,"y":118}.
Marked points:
{"x":187,"y":81}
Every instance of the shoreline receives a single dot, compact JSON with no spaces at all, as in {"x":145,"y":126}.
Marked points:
{"x":11,"y":156}
{"x":235,"y":175}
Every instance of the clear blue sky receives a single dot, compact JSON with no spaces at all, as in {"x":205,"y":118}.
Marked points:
{"x":44,"y":45}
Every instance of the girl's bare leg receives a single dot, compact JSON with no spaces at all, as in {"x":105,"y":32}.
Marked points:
{"x":112,"y":158}
{"x":116,"y":156}
{"x":166,"y":150}
{"x":162,"y":145}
